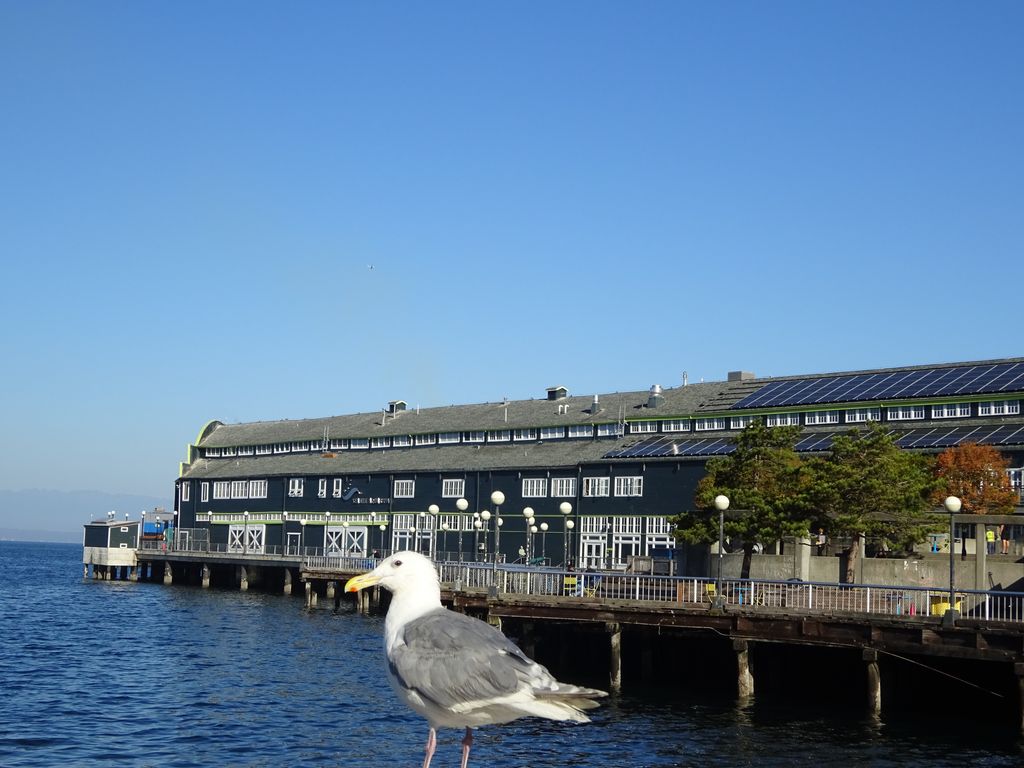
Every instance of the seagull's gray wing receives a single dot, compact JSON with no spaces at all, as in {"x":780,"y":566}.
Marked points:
{"x":453,"y":660}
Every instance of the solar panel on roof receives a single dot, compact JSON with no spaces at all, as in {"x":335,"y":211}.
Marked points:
{"x":889,"y":385}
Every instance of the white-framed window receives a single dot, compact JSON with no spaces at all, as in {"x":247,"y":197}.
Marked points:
{"x":186,"y":490}
{"x":296,"y":486}
{"x":658,"y":526}
{"x":904,"y":412}
{"x":282,"y":448}
{"x":339,"y":444}
{"x":581,"y":430}
{"x":821,"y":417}
{"x":321,"y":488}
{"x":999,"y":408}
{"x":708,"y":425}
{"x":675,"y":425}
{"x":221,"y":489}
{"x":453,"y":488}
{"x":632,"y":485}
{"x":596,"y":486}
{"x":861,"y":415}
{"x":211,"y":453}
{"x":257,"y":489}
{"x":336,"y":488}
{"x":951,"y":411}
{"x":204,"y":492}
{"x":535,"y":487}
{"x":642,"y":427}
{"x":264,"y":450}
{"x":593,"y":523}
{"x":525,"y":434}
{"x":404,"y":489}
{"x":380,"y":442}
{"x":300,"y":447}
{"x":228,"y":451}
{"x":740,"y":422}
{"x":359,"y":443}
{"x":563,"y":487}
{"x":446,"y":438}
{"x":498,"y":435}
{"x":782,"y":419}
{"x":609,"y":430}
{"x":552,"y":433}
{"x":239,"y":489}
{"x":1017,"y":481}
{"x":246,"y":450}
{"x":401,"y":441}
{"x":430,"y":439}
{"x":474,"y":437}
{"x":627,"y":524}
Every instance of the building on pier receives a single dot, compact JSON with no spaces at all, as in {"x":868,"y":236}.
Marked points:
{"x":600,"y":474}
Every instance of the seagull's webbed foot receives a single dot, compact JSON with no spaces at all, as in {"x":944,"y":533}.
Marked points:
{"x":467,"y":742}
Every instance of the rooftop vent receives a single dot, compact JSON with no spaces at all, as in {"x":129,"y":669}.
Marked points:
{"x":741,"y":376}
{"x":557,"y":393}
{"x":595,"y":406}
{"x":654,"y":397}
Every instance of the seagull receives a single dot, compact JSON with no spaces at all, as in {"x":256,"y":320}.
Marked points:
{"x":457,"y":671}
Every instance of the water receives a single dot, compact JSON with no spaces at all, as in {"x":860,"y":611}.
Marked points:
{"x":120,"y":674}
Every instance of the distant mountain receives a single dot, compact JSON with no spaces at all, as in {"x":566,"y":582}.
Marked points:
{"x":46,"y":515}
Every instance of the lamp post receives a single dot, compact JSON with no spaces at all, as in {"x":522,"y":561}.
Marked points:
{"x":952,"y":505}
{"x":544,"y":541}
{"x":566,"y":509}
{"x":383,"y":527}
{"x":497,"y":499}
{"x":721,"y":504}
{"x":462,"y":505}
{"x":485,"y":518}
{"x":528,"y":514}
{"x":245,"y":541}
{"x":433,"y":509}
{"x":444,"y":533}
{"x":477,"y":525}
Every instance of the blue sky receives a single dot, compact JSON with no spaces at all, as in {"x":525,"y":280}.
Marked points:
{"x":600,"y":195}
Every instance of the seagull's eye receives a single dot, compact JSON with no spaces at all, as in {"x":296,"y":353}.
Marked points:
{"x":397,"y":563}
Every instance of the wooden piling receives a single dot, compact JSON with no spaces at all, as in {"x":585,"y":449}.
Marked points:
{"x":874,"y":681}
{"x":744,"y":678}
{"x":615,"y":656}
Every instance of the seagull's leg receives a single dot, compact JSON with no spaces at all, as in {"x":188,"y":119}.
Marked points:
{"x":431,"y":746}
{"x":467,"y":742}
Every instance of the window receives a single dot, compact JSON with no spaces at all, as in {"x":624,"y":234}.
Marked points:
{"x":264,"y":450}
{"x":321,"y":488}
{"x":629,"y":486}
{"x":821,"y":417}
{"x":300,"y":447}
{"x":581,"y":430}
{"x":951,"y":410}
{"x":228,"y":452}
{"x":552,"y":433}
{"x":239,"y":489}
{"x":675,"y":425}
{"x":474,"y":437}
{"x":401,"y":441}
{"x":336,"y":488}
{"x":642,"y":427}
{"x":609,"y":430}
{"x":525,"y":434}
{"x":405,"y":489}
{"x":204,"y":491}
{"x":498,"y":435}
{"x":1017,"y":481}
{"x":246,"y":450}
{"x":212,"y":453}
{"x":453,"y":488}
{"x":626,"y":524}
{"x":904,"y":412}
{"x":257,"y":489}
{"x":380,"y":442}
{"x":449,"y":437}
{"x":338,"y":444}
{"x":860,"y":415}
{"x":295,"y":486}
{"x":707,"y":425}
{"x":186,"y":490}
{"x":740,"y":422}
{"x":596,"y":486}
{"x":782,"y":419}
{"x":999,"y":407}
{"x":282,"y":448}
{"x":535,"y":487}
{"x":359,"y":443}
{"x":562,"y":487}
{"x":658,"y":525}
{"x":222,"y":489}
{"x":426,"y":439}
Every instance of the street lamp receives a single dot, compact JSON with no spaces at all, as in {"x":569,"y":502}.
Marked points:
{"x":485,"y":519}
{"x":528,"y":514}
{"x":952,"y":505}
{"x":566,"y":509}
{"x":477,"y":525}
{"x":721,"y":504}
{"x":383,"y":527}
{"x":444,"y":532}
{"x":497,"y":499}
{"x":462,"y":505}
{"x":433,"y":509}
{"x":544,"y":541}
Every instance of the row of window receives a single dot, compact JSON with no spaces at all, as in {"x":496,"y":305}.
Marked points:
{"x":451,"y":488}
{"x":579,"y":431}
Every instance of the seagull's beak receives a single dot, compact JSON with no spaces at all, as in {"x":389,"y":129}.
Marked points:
{"x":362,"y":581}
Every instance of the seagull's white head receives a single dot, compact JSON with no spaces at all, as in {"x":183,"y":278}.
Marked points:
{"x":402,"y":572}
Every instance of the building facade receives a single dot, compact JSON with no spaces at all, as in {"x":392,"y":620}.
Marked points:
{"x":598,"y":475}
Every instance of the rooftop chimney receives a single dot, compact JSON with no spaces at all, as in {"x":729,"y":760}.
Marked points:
{"x":741,"y":376}
{"x":654,"y":397}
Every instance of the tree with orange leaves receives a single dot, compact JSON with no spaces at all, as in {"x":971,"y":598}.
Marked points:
{"x":977,"y":474}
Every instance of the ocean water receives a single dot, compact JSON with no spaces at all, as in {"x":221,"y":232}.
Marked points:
{"x":122,"y":674}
